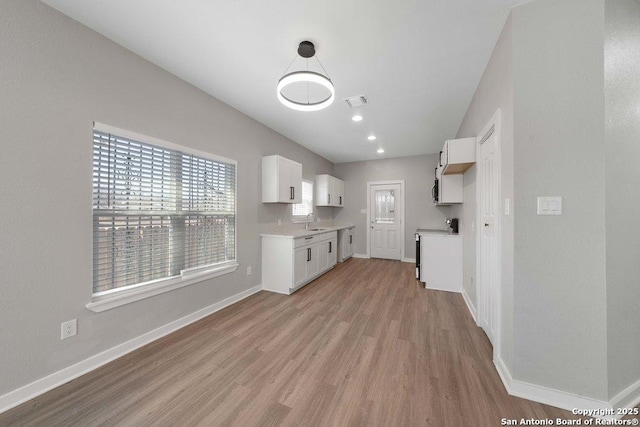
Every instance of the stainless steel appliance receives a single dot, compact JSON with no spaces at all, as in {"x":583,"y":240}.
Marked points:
{"x":417,"y":256}
{"x":434,"y":189}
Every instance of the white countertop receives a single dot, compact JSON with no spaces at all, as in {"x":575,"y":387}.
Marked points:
{"x":442,"y":232}
{"x":295,"y":233}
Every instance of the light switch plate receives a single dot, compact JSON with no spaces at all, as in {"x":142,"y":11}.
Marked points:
{"x":550,"y":205}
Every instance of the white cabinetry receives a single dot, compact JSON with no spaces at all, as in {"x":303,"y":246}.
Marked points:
{"x":329,"y":191}
{"x":457,"y":155}
{"x":281,"y":180}
{"x":288,"y":263}
{"x":441,"y":261}
{"x":345,"y":244}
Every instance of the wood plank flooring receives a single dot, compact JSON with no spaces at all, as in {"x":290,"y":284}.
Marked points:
{"x":364,"y":345}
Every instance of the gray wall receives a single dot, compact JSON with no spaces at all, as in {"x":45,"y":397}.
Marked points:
{"x":56,"y":78}
{"x":559,"y":270}
{"x":495,"y":91}
{"x":622,"y":177}
{"x":417,"y":171}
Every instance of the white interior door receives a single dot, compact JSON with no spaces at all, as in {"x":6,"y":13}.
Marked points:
{"x":489,"y":235}
{"x":386,"y":215}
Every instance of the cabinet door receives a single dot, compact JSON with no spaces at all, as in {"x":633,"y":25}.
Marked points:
{"x":339,"y":192}
{"x":295,"y":181}
{"x":312,"y":263}
{"x":332,"y":252}
{"x":284,"y":177}
{"x":300,"y":259}
{"x":323,"y":256}
{"x":322,"y":190}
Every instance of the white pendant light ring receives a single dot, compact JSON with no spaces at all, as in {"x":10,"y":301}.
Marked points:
{"x":308,"y":77}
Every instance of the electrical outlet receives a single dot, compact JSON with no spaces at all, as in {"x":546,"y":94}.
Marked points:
{"x":249,"y":271}
{"x":68,"y":329}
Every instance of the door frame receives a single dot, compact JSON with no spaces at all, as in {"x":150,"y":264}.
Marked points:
{"x":402,"y":216}
{"x":493,"y":127}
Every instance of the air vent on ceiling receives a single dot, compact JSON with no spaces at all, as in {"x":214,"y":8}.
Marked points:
{"x":356,"y":101}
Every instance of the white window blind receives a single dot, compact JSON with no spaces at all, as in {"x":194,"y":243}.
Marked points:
{"x":157,"y":212}
{"x":306,"y":206}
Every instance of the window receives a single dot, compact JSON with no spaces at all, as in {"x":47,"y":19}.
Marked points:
{"x":160,"y":211}
{"x":301,"y":210}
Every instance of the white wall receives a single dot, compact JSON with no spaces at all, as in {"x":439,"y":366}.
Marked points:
{"x":495,"y":91}
{"x":417,"y":171}
{"x":565,"y":75}
{"x":559,"y":270}
{"x":622,"y":178}
{"x":56,"y":78}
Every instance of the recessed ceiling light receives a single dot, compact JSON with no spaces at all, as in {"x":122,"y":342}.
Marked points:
{"x":357,"y":118}
{"x":371,"y":137}
{"x":380,"y":151}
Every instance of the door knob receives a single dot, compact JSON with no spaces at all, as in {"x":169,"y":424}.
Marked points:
{"x":486,"y":225}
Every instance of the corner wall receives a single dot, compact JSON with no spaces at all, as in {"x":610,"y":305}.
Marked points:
{"x":622,"y":154}
{"x":56,"y":78}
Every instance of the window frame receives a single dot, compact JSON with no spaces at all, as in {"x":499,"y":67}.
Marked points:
{"x":131,"y":293}
{"x":303,"y":218}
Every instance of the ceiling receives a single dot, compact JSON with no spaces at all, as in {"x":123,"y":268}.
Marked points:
{"x":418,"y":61}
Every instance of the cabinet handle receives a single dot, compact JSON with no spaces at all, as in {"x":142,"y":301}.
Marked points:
{"x":308,"y":238}
{"x":440,"y":159}
{"x":350,"y":239}
{"x":291,"y":193}
{"x":294,"y":193}
{"x":340,"y":200}
{"x":308,"y":254}
{"x":329,"y":247}
{"x":329,"y":199}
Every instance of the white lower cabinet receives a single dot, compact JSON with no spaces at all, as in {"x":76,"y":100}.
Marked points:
{"x":345,"y":244}
{"x":288,"y":263}
{"x":441,"y":261}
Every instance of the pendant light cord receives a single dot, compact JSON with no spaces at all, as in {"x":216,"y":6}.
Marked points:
{"x":325,"y":71}
{"x":294,"y":60}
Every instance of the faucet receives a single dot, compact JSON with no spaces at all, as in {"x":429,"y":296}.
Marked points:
{"x":309,"y":216}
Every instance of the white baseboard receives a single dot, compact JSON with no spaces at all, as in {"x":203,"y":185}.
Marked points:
{"x":470,"y":305}
{"x":363,"y":256}
{"x":627,"y":398}
{"x":277,"y":291}
{"x":548,"y":396}
{"x":411,"y":260}
{"x":38,"y":387}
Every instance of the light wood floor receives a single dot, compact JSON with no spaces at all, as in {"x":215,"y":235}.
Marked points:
{"x":364,"y":345}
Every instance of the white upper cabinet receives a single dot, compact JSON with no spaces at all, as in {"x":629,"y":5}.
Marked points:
{"x":329,"y":191}
{"x":457,"y":155}
{"x":281,"y":180}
